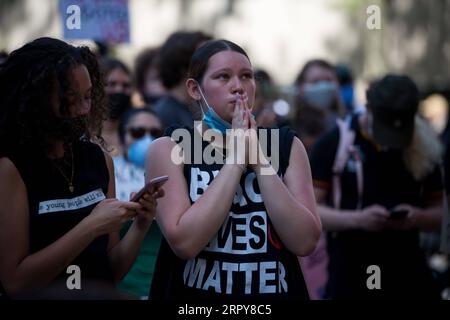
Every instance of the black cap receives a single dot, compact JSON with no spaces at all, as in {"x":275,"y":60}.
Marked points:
{"x":394,"y":101}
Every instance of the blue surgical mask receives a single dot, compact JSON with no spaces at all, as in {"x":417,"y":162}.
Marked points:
{"x":138,"y":150}
{"x":212,"y":119}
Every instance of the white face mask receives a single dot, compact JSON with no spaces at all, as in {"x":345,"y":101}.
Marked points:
{"x":320,"y":94}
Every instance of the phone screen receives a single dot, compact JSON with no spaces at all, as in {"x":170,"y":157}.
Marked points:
{"x":153,"y":184}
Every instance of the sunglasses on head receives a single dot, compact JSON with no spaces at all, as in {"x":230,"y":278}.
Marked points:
{"x":139,"y":132}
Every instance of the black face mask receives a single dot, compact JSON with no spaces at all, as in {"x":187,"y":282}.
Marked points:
{"x":117,"y":104}
{"x":70,"y":129}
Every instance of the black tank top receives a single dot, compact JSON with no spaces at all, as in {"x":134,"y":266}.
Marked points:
{"x":54,"y":210}
{"x":246,"y":260}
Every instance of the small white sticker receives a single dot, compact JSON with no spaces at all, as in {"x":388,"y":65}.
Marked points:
{"x":71,"y":204}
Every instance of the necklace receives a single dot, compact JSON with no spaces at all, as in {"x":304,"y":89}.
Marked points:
{"x":72,"y":166}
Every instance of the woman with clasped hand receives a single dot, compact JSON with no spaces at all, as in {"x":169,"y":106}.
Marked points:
{"x":233,"y":228}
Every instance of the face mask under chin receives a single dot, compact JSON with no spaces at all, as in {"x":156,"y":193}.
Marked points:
{"x":211,"y":118}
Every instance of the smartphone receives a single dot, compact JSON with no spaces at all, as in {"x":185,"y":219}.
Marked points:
{"x":151,"y":186}
{"x":398,"y":214}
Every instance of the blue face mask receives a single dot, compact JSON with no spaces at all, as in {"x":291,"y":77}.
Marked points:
{"x":212,"y":119}
{"x":138,"y":150}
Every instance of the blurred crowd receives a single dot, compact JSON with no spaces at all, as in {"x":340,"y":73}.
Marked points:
{"x":393,"y":149}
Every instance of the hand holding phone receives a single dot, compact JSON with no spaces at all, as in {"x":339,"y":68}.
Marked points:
{"x":150,"y":186}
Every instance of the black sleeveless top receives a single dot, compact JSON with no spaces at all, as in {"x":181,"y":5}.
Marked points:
{"x":246,"y":259}
{"x":54,"y":210}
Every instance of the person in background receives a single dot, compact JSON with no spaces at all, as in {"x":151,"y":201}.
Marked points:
{"x":173,"y":63}
{"x":147,"y":79}
{"x":118,"y":88}
{"x":390,"y":188}
{"x":270,"y":111}
{"x":435,"y":109}
{"x":318,"y":103}
{"x":117,"y":76}
{"x":347,"y":89}
{"x":264,"y":98}
{"x":137,"y":130}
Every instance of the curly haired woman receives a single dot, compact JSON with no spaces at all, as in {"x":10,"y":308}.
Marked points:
{"x":56,"y":184}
